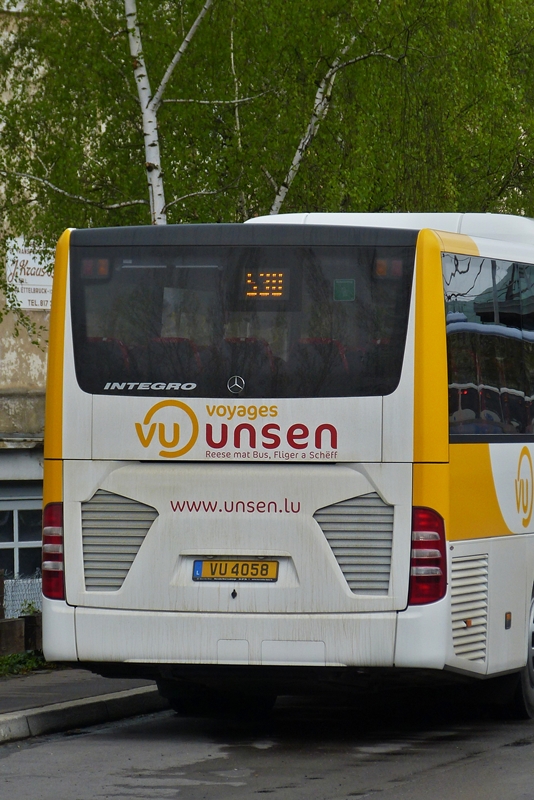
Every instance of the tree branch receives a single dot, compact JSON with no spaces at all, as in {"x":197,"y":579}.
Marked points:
{"x":156,"y":100}
{"x":89,"y":5}
{"x":371,"y":54}
{"x":194,"y":194}
{"x":203,"y":192}
{"x":219,"y":102}
{"x":269,"y":177}
{"x":72,"y":196}
{"x":319,"y":112}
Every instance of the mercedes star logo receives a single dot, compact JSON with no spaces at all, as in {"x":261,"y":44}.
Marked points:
{"x":235,"y":384}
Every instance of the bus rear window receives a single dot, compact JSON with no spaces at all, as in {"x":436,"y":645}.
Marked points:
{"x":325,"y":321}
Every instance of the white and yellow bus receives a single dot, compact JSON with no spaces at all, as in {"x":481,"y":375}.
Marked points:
{"x":290,"y":452}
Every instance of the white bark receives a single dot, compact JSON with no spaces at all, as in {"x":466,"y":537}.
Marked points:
{"x":149,"y":116}
{"x":236,"y":90}
{"x":150,"y":104}
{"x":244,"y":209}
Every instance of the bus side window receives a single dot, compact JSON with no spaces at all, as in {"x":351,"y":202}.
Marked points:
{"x":487,"y":316}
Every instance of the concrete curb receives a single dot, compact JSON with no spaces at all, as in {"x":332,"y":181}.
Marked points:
{"x":79,"y":713}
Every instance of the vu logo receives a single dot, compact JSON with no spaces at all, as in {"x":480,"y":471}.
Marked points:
{"x":169,"y":428}
{"x":524,"y":487}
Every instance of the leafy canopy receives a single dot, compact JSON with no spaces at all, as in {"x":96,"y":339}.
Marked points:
{"x":430,"y":109}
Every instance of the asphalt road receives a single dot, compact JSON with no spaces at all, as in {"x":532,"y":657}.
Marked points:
{"x":399,"y":746}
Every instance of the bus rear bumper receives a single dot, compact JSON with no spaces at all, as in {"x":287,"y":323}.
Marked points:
{"x":114,"y":636}
{"x":414,"y":638}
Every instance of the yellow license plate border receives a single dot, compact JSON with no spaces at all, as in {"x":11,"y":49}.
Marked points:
{"x":198,"y":571}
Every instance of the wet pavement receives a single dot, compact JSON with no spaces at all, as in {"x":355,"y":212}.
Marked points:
{"x":401,"y":746}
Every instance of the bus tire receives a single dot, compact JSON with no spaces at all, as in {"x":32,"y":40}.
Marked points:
{"x":523,"y":702}
{"x":189,"y":700}
{"x":226,"y":705}
{"x":194,"y":704}
{"x":202,"y":701}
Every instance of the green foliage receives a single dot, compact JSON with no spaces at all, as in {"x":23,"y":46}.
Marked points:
{"x":22,"y":663}
{"x":28,"y":608}
{"x":438,"y":117}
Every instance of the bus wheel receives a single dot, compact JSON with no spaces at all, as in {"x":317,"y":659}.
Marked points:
{"x":190,"y":700}
{"x":203,"y":701}
{"x":523,"y":703}
{"x":192,"y":704}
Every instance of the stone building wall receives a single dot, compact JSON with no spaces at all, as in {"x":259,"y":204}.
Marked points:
{"x":22,"y":380}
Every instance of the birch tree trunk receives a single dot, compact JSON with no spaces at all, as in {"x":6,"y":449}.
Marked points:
{"x":150,"y":104}
{"x":149,"y":116}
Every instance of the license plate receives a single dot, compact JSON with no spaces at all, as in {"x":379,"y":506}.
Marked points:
{"x":219,"y":569}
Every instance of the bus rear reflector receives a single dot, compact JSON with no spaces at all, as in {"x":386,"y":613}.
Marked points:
{"x":53,"y":575}
{"x":428,"y":563}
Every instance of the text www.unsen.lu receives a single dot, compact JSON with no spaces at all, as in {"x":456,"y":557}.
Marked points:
{"x":237,"y":506}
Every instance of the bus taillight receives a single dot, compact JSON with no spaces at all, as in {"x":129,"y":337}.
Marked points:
{"x":428,"y":563}
{"x":53,"y":576}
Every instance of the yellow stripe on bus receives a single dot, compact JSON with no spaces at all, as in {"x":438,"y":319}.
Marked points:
{"x":431,"y":416}
{"x":54,"y":381}
{"x":53,"y":482}
{"x":431,"y":488}
{"x":457,"y":243}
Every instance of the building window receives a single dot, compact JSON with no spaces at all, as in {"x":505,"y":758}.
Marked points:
{"x":20,"y":538}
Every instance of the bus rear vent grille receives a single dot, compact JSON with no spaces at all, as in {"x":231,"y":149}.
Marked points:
{"x":469,"y":606}
{"x":113,"y":530}
{"x":360,"y":533}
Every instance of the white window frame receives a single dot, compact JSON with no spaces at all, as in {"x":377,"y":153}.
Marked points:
{"x":15,"y":545}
